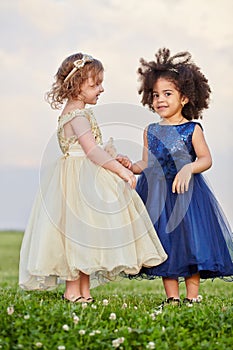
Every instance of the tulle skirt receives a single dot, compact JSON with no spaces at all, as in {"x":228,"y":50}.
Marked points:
{"x":85,"y":218}
{"x":191,"y":227}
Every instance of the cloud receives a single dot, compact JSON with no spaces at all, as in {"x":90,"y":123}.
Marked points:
{"x":118,"y":33}
{"x":47,"y":16}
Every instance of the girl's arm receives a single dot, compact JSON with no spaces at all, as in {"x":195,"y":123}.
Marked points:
{"x":202,"y":163}
{"x":95,"y":153}
{"x":140,"y":165}
{"x":204,"y":160}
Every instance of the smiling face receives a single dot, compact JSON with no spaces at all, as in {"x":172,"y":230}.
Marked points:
{"x":167,"y":101}
{"x":92,"y":88}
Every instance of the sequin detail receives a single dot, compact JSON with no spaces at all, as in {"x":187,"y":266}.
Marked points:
{"x":65,"y":143}
{"x":170,"y":148}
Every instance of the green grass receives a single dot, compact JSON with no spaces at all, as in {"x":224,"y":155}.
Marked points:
{"x":39,"y":317}
{"x":10,"y":242}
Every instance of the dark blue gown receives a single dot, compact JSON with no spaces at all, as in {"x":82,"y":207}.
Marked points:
{"x":191,"y":226}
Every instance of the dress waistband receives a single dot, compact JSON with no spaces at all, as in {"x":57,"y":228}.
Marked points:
{"x":79,"y":153}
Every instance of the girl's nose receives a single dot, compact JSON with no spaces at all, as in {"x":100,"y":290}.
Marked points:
{"x":160,"y":98}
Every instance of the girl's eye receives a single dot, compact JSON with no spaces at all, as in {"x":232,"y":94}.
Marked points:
{"x":155,"y":95}
{"x":167,"y":94}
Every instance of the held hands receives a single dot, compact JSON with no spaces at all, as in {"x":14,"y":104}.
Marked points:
{"x":124,"y":160}
{"x":128,"y":176}
{"x":182,"y":179}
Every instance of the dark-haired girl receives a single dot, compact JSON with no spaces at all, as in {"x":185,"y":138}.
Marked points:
{"x":185,"y":213}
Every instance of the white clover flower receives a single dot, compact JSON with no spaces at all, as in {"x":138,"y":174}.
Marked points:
{"x":116,"y":330}
{"x":61,"y":347}
{"x":39,"y":344}
{"x":115,"y":343}
{"x":152,"y":316}
{"x":20,"y":346}
{"x":135,"y":307}
{"x":105,"y":302}
{"x":75,"y":319}
{"x":84,"y":305}
{"x":199,"y":298}
{"x":65,"y":327}
{"x":97,"y":331}
{"x":151,"y":345}
{"x":163,"y":329}
{"x":124,"y":306}
{"x":121,"y":340}
{"x":112,"y":316}
{"x":129,"y":329}
{"x":82,"y":332}
{"x":26,"y":317}
{"x":92,"y":333}
{"x":190,"y":305}
{"x":94,"y":306}
{"x":10,"y":310}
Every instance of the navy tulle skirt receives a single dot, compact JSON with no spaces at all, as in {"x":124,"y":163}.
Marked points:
{"x":191,"y":227}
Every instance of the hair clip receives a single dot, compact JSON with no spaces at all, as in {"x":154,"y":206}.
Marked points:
{"x":173,"y":70}
{"x":79,"y":64}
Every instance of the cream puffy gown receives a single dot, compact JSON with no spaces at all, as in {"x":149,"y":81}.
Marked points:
{"x":85,"y":218}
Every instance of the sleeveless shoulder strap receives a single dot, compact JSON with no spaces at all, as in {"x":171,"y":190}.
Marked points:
{"x":65,"y":118}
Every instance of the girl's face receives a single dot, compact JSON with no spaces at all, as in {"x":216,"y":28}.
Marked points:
{"x":167,"y":101}
{"x":91,"y":89}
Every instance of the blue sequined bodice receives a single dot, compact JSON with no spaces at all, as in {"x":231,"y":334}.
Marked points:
{"x":170,"y":148}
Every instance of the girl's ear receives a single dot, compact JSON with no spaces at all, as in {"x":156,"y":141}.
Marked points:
{"x":184,"y":100}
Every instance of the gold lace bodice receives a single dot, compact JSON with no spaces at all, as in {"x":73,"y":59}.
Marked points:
{"x":66,"y":143}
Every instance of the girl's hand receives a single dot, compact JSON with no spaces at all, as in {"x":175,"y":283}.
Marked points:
{"x":182,"y":179}
{"x":128,"y":176}
{"x":124,"y":160}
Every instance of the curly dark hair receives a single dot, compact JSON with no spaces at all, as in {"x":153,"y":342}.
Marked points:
{"x":183,"y":73}
{"x":63,"y":90}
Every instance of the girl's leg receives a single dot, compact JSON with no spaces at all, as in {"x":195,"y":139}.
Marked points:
{"x":171,"y":287}
{"x":192,"y":286}
{"x":72,"y":291}
{"x":85,"y":285}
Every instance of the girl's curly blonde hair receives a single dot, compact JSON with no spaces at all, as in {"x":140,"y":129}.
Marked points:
{"x":63,"y":90}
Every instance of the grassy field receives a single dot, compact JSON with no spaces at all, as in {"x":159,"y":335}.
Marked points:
{"x":125,"y":315}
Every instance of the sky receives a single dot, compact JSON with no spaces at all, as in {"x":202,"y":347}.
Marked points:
{"x":37,"y":35}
